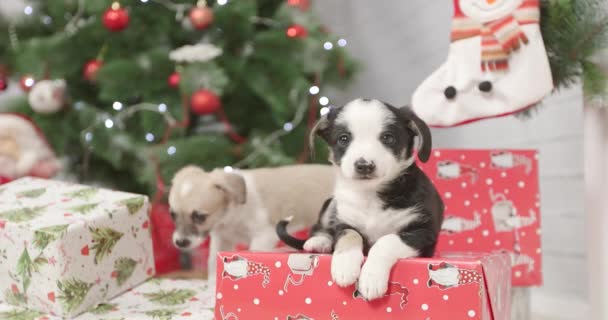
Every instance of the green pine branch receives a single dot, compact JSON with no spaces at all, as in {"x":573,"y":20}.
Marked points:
{"x":133,"y":204}
{"x":21,"y":314}
{"x":44,"y":236}
{"x":84,"y":209}
{"x":170,"y":298}
{"x":34,"y":193}
{"x":104,"y":240}
{"x":22,"y":214}
{"x":72,"y":293}
{"x":161,"y":314}
{"x":124,"y":267}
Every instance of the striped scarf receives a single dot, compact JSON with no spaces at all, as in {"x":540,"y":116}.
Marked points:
{"x":499,"y":38}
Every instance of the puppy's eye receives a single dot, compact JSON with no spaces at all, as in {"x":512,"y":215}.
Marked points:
{"x":344,"y":139}
{"x":388,"y":139}
{"x":198,"y":217}
{"x":173,"y":215}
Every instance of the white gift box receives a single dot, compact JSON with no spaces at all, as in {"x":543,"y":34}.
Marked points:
{"x":66,"y":247}
{"x":156,"y":299}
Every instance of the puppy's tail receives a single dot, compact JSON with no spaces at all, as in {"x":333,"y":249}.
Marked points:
{"x":286,"y":237}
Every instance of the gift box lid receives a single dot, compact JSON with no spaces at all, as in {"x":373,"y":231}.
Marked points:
{"x":38,"y":203}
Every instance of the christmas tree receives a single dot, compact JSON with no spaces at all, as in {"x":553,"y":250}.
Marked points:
{"x":128,"y":92}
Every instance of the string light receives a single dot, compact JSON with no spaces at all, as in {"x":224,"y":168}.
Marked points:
{"x":324,"y":111}
{"x":88,"y":136}
{"x":162,"y":107}
{"x":222,"y":2}
{"x":109,"y":123}
{"x":324,"y":101}
{"x":29,"y":81}
{"x":47,"y":20}
{"x":117,"y":106}
{"x":342,"y":42}
{"x":149,"y":137}
{"x":144,"y":1}
{"x":28,"y":10}
{"x":288,"y":126}
{"x":228,"y":169}
{"x":171,"y":150}
{"x":328,"y":45}
{"x":314,"y":90}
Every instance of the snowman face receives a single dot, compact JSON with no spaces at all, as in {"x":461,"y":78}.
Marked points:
{"x":237,"y":268}
{"x":445,"y":276}
{"x":488,"y":10}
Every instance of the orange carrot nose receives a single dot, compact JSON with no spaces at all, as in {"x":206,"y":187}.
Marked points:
{"x":490,"y":1}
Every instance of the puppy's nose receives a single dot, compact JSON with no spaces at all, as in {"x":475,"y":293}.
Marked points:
{"x":364,"y":167}
{"x":182,"y":243}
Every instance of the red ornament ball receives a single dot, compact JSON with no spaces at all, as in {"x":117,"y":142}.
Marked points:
{"x":204,"y":102}
{"x":27,"y":82}
{"x":116,"y":18}
{"x":3,"y":84}
{"x":201,"y":17}
{"x":296,"y":31}
{"x":173,"y":80}
{"x":91,"y":68}
{"x":302,"y":4}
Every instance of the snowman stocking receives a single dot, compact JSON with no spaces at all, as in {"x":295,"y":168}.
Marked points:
{"x":497,"y":64}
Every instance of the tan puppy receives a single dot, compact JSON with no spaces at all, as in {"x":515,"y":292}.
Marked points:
{"x":245,"y":206}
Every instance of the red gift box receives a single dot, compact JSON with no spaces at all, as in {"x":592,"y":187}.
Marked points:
{"x":299,"y":286}
{"x":492,"y":203}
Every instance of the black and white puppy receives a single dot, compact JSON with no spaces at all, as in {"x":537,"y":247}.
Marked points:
{"x":383,"y":204}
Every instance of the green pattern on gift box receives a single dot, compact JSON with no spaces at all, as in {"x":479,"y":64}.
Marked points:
{"x":84,"y":209}
{"x":15,"y":298}
{"x":124,"y":268}
{"x":23,"y":314}
{"x":133,"y":204}
{"x":44,"y":236}
{"x":161,"y":314}
{"x":170,"y":298}
{"x":86,"y":193}
{"x":33,"y":193}
{"x":104,"y":241}
{"x":73,"y":293}
{"x":19,"y":215}
{"x":103,"y":308}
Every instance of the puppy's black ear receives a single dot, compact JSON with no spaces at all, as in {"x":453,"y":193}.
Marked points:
{"x":320,"y":129}
{"x":422,"y":131}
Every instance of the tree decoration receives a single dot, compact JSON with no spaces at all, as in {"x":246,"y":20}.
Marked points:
{"x":116,"y":18}
{"x":201,"y":16}
{"x":27,"y":82}
{"x":296,"y":31}
{"x":91,"y":68}
{"x":204,"y":102}
{"x":142,"y":132}
{"x":301,"y":4}
{"x":173,"y":80}
{"x":3,"y":83}
{"x":202,"y":52}
{"x":48,"y":96}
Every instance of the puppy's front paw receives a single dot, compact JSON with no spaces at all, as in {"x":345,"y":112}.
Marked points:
{"x":346,"y":267}
{"x":373,"y":282}
{"x":318,"y":244}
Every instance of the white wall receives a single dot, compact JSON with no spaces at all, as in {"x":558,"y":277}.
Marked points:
{"x":399,"y":44}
